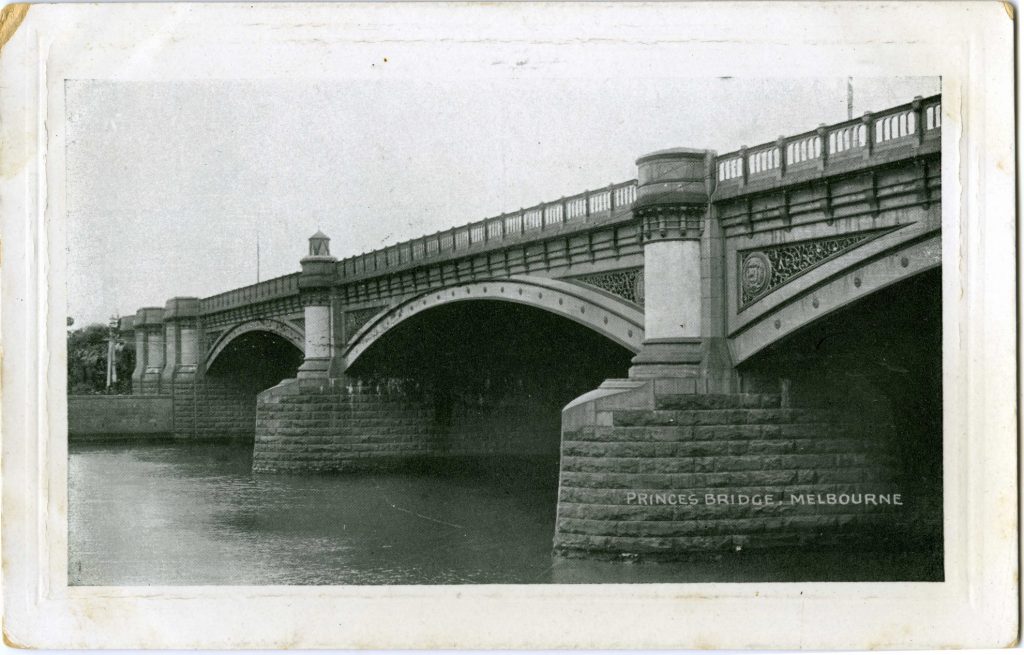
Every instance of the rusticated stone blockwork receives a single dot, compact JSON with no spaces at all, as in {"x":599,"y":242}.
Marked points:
{"x":338,"y":427}
{"x":214,"y":408}
{"x":185,"y":405}
{"x":149,"y":387}
{"x":668,"y":475}
{"x":332,"y":428}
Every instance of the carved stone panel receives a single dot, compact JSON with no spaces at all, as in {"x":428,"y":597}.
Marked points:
{"x":357,"y":318}
{"x":627,"y":283}
{"x":764,"y":270}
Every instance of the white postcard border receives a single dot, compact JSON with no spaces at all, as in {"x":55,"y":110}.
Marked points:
{"x":969,"y":44}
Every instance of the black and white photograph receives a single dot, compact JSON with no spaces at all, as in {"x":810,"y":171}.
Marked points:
{"x":724,"y":366}
{"x":389,"y":301}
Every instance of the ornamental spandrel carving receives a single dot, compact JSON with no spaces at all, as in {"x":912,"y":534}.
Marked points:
{"x":764,"y":270}
{"x":357,"y":318}
{"x":627,"y":284}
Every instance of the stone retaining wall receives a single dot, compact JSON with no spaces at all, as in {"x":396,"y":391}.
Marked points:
{"x":119,"y":416}
{"x":638,"y":467}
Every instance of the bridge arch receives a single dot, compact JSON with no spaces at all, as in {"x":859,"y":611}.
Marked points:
{"x":618,"y":320}
{"x":833,"y":292}
{"x":284,"y":329}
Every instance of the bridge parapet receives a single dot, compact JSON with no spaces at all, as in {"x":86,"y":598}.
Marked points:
{"x":272,"y":289}
{"x":897,"y":133}
{"x":538,"y":222}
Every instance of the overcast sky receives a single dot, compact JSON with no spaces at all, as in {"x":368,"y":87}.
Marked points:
{"x":169,"y":183}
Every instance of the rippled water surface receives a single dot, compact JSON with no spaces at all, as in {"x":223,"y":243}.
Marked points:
{"x":169,"y":514}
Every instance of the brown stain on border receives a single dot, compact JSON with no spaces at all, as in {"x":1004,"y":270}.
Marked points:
{"x":10,"y":19}
{"x":10,"y":643}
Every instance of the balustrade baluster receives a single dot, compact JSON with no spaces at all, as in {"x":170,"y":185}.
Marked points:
{"x":916,"y":107}
{"x":869,"y":130}
{"x":780,"y":144}
{"x":823,"y":146}
{"x":744,"y":167}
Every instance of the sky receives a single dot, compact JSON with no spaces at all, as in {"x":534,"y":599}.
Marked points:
{"x":169,"y":184}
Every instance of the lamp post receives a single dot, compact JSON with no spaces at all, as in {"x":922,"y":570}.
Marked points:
{"x":112,"y":335}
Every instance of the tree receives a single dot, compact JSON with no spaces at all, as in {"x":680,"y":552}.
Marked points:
{"x":87,"y":361}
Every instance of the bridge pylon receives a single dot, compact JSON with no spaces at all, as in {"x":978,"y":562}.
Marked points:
{"x":315,"y":282}
{"x":672,"y":208}
{"x":149,"y":350}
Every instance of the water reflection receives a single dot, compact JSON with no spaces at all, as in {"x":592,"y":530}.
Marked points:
{"x":167,"y":514}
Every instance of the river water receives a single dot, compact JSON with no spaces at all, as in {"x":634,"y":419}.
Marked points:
{"x":183,"y":514}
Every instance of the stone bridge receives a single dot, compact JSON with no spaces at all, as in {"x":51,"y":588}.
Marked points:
{"x":766,"y":322}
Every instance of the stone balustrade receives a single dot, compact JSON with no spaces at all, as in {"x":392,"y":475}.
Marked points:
{"x":530,"y":222}
{"x":278,"y":287}
{"x":865,"y":141}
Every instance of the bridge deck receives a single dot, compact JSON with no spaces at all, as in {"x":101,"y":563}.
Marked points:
{"x":908,"y":131}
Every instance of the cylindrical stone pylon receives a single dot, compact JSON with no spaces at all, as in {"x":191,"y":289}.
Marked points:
{"x":672,"y":203}
{"x":315,"y":281}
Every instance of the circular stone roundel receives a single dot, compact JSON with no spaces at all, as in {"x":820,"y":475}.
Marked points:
{"x":756,"y":272}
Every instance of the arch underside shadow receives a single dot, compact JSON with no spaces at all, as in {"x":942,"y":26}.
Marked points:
{"x":618,"y":320}
{"x":284,"y":329}
{"x":835,"y":292}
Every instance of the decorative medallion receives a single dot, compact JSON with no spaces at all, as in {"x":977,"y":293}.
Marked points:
{"x":627,"y":284}
{"x":755,"y":274}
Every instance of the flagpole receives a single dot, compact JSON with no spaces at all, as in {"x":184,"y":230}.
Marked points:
{"x":849,"y":98}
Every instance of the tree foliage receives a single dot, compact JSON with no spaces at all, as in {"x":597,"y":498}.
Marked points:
{"x":87,"y":361}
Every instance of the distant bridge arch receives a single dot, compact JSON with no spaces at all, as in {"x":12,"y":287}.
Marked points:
{"x":620,"y":321}
{"x":284,"y":329}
